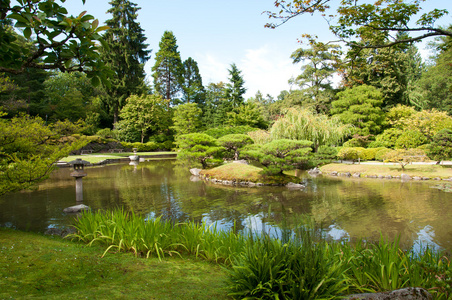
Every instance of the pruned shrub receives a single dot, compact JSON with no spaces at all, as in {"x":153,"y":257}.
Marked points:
{"x":380,"y":154}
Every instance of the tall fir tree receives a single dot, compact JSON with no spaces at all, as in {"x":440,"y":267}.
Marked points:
{"x":168,"y":69}
{"x":235,"y":88}
{"x":126,"y":55}
{"x":192,"y":88}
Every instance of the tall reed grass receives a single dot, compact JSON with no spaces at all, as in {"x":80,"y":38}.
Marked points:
{"x":300,"y":265}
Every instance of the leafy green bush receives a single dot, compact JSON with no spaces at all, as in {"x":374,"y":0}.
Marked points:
{"x":222,"y":131}
{"x":369,"y":153}
{"x":105,"y":133}
{"x":410,"y":139}
{"x":348,"y":153}
{"x":380,"y":154}
{"x":441,"y":146}
{"x":142,"y":147}
{"x":388,"y":138}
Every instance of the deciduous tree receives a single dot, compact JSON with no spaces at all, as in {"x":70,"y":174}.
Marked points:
{"x":58,"y":41}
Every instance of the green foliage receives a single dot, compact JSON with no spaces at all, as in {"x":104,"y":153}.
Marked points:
{"x":192,"y":88}
{"x":388,"y":138}
{"x":233,"y":143}
{"x":433,"y":88}
{"x":298,"y":269}
{"x":260,"y":136}
{"x":57,"y":40}
{"x":199,"y":148}
{"x":296,"y":266}
{"x":405,"y":156}
{"x":320,"y":63}
{"x":410,"y":139}
{"x":125,"y":54}
{"x":235,"y":88}
{"x":218,"y":132}
{"x":168,"y":69}
{"x":29,"y":149}
{"x":361,"y":107}
{"x":302,"y":124}
{"x":142,"y":147}
{"x":428,"y":122}
{"x":105,"y":133}
{"x":246,"y":115}
{"x":187,"y":118}
{"x":281,"y":155}
{"x":348,"y":153}
{"x":324,"y":155}
{"x":441,"y":146}
{"x":146,"y":114}
{"x":381,"y":153}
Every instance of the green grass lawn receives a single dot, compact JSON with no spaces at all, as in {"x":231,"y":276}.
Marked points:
{"x":242,"y":172}
{"x":431,"y":171}
{"x":98,"y":157}
{"x":37,"y":266}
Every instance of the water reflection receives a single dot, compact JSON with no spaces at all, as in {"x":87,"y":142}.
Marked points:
{"x":346,"y":208}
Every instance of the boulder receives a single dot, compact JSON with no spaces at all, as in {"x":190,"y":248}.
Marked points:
{"x":240,"y":161}
{"x":357,"y":175}
{"x":195,"y":172}
{"x":405,"y":177}
{"x":292,"y":185}
{"x":334,"y":173}
{"x":315,"y":172}
{"x":405,"y":294}
{"x":76,"y":208}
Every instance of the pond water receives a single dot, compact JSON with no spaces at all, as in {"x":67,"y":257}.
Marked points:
{"x":346,"y":208}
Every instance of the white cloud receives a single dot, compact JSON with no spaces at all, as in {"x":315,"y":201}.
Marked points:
{"x":267,"y":69}
{"x":212,"y":68}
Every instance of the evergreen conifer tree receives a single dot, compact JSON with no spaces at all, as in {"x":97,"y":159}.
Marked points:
{"x":235,"y":88}
{"x":168,"y":69}
{"x":125,"y":56}
{"x":192,"y":88}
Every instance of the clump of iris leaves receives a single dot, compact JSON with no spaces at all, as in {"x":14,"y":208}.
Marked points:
{"x":298,"y":264}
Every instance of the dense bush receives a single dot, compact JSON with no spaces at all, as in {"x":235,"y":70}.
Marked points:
{"x":281,"y":155}
{"x":380,"y":154}
{"x":410,"y":139}
{"x":348,"y":153}
{"x":388,"y":138}
{"x":105,"y":133}
{"x":142,"y":147}
{"x":222,"y":131}
{"x":441,"y":146}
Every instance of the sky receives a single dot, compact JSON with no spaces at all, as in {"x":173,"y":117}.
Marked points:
{"x":217,"y":33}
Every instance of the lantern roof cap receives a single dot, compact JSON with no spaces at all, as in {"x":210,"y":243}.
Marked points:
{"x":79,"y":161}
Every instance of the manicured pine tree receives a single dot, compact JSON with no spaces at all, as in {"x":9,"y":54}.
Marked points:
{"x":168,"y":69}
{"x":125,"y":56}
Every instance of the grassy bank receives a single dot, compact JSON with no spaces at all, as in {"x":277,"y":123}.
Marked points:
{"x":430,"y":171}
{"x":96,"y":158}
{"x":39,"y":266}
{"x":246,"y":173}
{"x":299,"y":265}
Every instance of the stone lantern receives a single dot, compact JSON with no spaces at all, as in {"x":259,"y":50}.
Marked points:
{"x":78,"y":174}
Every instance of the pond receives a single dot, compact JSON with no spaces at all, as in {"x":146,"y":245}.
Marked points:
{"x":346,"y":208}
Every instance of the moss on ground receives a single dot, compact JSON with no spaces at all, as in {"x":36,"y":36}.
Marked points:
{"x":246,"y":173}
{"x":37,"y":266}
{"x":426,"y":170}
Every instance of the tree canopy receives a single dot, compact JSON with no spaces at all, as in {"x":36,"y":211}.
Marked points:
{"x":57,"y":41}
{"x":357,"y":23}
